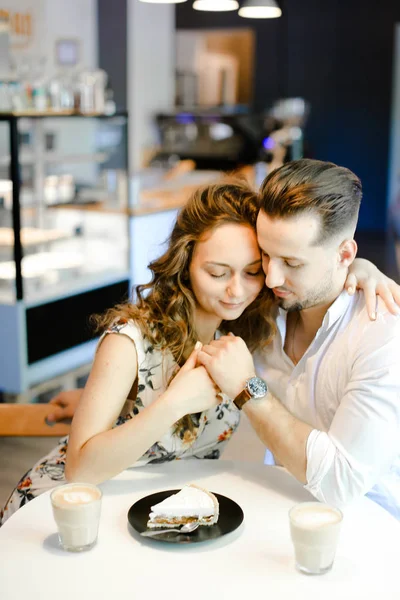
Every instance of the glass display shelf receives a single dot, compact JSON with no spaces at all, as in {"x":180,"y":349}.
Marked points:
{"x":62,"y":165}
{"x":60,"y":262}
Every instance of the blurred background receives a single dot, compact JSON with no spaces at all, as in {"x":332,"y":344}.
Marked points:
{"x":112,"y":111}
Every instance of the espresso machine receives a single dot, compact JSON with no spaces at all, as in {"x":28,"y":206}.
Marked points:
{"x":228,"y":139}
{"x":213,"y":139}
{"x":286,"y":121}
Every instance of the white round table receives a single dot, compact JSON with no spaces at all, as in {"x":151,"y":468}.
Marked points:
{"x":256,"y":559}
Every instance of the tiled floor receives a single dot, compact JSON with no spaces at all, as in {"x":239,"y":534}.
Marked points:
{"x":17,"y":455}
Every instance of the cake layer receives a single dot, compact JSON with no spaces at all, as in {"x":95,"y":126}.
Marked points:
{"x":191,"y":503}
{"x":164,"y":523}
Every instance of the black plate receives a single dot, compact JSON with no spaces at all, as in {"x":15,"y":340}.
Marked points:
{"x":230,"y":517}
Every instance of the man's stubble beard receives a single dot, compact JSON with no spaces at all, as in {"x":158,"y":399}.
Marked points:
{"x":319,"y":295}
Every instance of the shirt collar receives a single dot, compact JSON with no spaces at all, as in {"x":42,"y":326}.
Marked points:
{"x":334,"y":312}
{"x":337,"y":309}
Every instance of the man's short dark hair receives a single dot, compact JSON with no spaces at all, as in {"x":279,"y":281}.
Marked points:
{"x":316,"y":187}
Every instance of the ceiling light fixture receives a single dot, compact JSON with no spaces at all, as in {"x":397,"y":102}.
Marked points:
{"x":216,"y":5}
{"x":163,"y":1}
{"x":260,"y":9}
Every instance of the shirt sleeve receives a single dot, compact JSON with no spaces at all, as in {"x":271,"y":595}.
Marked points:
{"x":363,"y":439}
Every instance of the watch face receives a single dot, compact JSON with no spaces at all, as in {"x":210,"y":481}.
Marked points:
{"x":257,"y":387}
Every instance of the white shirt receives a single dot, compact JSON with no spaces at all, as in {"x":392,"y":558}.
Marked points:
{"x":346,"y":386}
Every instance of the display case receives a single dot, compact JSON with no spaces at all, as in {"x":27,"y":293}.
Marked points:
{"x":64,"y":239}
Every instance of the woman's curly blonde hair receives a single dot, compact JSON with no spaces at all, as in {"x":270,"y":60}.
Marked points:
{"x":164,"y":310}
{"x":165,"y":307}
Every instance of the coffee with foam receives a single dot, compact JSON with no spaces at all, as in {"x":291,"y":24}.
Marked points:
{"x":76,"y":509}
{"x":72,"y":495}
{"x":315,"y":530}
{"x":315,"y":516}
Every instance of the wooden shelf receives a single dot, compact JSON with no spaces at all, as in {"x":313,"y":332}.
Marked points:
{"x":157,"y":202}
{"x":57,"y":157}
{"x":31,"y":236}
{"x":101,"y":207}
{"x":54,"y":113}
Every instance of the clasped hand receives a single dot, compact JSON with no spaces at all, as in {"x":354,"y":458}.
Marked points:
{"x":192,"y":388}
{"x":228,"y":362}
{"x":223,"y":365}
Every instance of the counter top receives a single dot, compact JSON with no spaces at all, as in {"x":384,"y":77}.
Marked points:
{"x":155,"y":200}
{"x":162,"y":202}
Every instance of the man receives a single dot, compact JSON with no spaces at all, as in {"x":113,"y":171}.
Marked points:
{"x":331,"y":415}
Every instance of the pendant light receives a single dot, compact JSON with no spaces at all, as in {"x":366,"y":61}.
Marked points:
{"x":216,"y":5}
{"x":163,"y":1}
{"x":260,"y":9}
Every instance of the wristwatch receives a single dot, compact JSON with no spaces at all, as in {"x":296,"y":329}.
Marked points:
{"x":255,"y":388}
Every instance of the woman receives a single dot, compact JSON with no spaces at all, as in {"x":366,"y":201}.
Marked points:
{"x":209,"y":281}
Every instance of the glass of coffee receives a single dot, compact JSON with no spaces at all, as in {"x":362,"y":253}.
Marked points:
{"x":314,"y":528}
{"x":76,"y":510}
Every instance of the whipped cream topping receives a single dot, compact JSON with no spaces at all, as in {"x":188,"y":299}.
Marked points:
{"x":188,"y":502}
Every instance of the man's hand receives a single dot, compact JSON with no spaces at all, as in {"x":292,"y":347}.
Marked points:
{"x":229,"y":363}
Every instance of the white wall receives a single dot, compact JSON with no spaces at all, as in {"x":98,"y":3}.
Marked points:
{"x":189,"y":46}
{"x":54,"y":19}
{"x":151,"y":72}
{"x":72,"y":19}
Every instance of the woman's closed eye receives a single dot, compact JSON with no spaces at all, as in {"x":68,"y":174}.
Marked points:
{"x":248,"y":273}
{"x":292,"y":266}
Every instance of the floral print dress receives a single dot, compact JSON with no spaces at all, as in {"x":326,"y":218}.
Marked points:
{"x":211,"y":429}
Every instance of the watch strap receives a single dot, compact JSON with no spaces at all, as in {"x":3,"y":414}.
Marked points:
{"x":242,"y":398}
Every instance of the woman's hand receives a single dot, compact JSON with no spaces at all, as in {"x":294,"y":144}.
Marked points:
{"x":65,"y":404}
{"x":366,"y":276}
{"x":229,"y":362}
{"x":193,"y":388}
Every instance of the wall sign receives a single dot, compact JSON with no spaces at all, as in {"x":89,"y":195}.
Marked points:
{"x":20,"y":27}
{"x":67,"y":52}
{"x":24,"y":18}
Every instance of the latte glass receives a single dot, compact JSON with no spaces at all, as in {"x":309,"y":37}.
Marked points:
{"x":76,"y":510}
{"x":314,"y":528}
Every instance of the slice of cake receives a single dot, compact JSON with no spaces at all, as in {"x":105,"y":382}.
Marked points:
{"x":192,"y":503}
